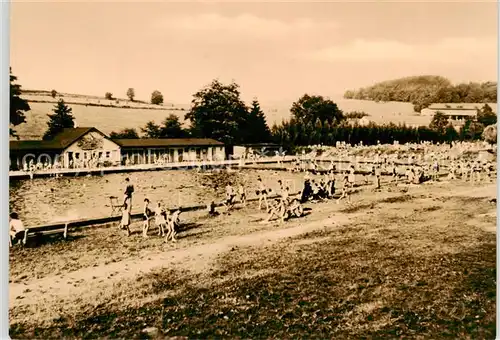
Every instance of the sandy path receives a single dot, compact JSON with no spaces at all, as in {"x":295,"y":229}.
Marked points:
{"x":90,"y":280}
{"x":87,"y":283}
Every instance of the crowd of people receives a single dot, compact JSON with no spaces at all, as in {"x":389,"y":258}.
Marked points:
{"x":406,"y":165}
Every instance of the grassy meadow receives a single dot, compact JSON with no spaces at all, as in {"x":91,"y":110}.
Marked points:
{"x":415,"y":264}
{"x":127,"y":114}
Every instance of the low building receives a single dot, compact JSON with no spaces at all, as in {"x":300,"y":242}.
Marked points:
{"x":456,"y":111}
{"x":74,"y":147}
{"x":87,"y":147}
{"x":151,"y":151}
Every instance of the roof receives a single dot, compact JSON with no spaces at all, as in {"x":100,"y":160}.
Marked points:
{"x":462,"y":106}
{"x":260,"y":145}
{"x":70,"y":135}
{"x":60,"y":142}
{"x":165,"y":142}
{"x":457,"y":112}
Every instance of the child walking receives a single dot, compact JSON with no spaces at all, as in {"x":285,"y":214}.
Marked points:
{"x":125,"y":222}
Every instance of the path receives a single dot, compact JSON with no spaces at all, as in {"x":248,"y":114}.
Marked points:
{"x":87,"y":283}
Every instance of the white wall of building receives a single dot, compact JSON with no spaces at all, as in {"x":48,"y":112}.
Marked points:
{"x":93,"y":145}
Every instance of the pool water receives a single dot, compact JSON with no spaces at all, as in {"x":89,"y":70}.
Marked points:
{"x":47,"y":200}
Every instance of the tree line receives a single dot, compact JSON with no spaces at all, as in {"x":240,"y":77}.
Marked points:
{"x":422,"y":91}
{"x":218,"y":112}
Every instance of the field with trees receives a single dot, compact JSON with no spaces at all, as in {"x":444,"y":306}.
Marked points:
{"x":422,"y":91}
{"x":217,"y":111}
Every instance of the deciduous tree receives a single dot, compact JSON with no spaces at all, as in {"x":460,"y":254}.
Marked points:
{"x":310,"y":108}
{"x":131,"y":94}
{"x":486,"y":116}
{"x":218,"y":112}
{"x":439,"y":122}
{"x":156,"y":98}
{"x":124,"y":134}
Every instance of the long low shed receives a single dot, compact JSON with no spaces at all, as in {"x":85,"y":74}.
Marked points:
{"x":87,"y":147}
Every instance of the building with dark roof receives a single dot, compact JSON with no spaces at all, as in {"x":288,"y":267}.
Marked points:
{"x":87,"y":147}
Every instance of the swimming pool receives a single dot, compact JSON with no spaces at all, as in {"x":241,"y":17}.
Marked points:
{"x":46,"y":200}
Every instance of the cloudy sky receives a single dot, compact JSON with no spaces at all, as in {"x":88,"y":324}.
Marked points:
{"x":275,"y":51}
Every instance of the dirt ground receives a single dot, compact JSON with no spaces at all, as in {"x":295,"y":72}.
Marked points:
{"x":395,"y":263}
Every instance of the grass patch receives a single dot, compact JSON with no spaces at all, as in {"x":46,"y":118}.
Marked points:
{"x":412,"y":277}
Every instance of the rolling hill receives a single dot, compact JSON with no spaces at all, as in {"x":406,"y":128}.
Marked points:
{"x":422,"y":91}
{"x":108,"y":115}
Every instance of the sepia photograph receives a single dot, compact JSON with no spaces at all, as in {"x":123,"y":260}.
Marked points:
{"x":252,"y":170}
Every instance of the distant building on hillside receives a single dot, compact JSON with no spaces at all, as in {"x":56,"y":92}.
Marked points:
{"x":456,"y":112}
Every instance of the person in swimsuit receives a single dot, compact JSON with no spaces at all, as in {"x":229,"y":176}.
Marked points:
{"x":125,"y":221}
{"x":345,"y":190}
{"x":147,"y":214}
{"x":16,"y":229}
{"x":230,"y":195}
{"x":211,"y":209}
{"x":242,"y":194}
{"x":331,"y":183}
{"x":262,"y":193}
{"x":352,"y":176}
{"x":160,"y":219}
{"x":129,"y":190}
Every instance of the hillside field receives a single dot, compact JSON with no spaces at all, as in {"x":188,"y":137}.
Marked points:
{"x":108,"y":119}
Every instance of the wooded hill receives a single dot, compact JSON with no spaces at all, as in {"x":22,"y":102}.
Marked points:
{"x":422,"y":91}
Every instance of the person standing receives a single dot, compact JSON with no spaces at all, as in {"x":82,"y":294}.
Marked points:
{"x":129,"y":190}
{"x":262,"y":193}
{"x":147,"y":214}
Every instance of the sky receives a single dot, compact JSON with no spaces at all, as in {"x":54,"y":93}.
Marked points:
{"x":274,"y":51}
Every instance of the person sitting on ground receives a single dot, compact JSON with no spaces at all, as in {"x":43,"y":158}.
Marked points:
{"x":307,"y":190}
{"x":211,"y":209}
{"x":16,"y":229}
{"x":125,"y":221}
{"x":147,"y":215}
{"x":277,"y":209}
